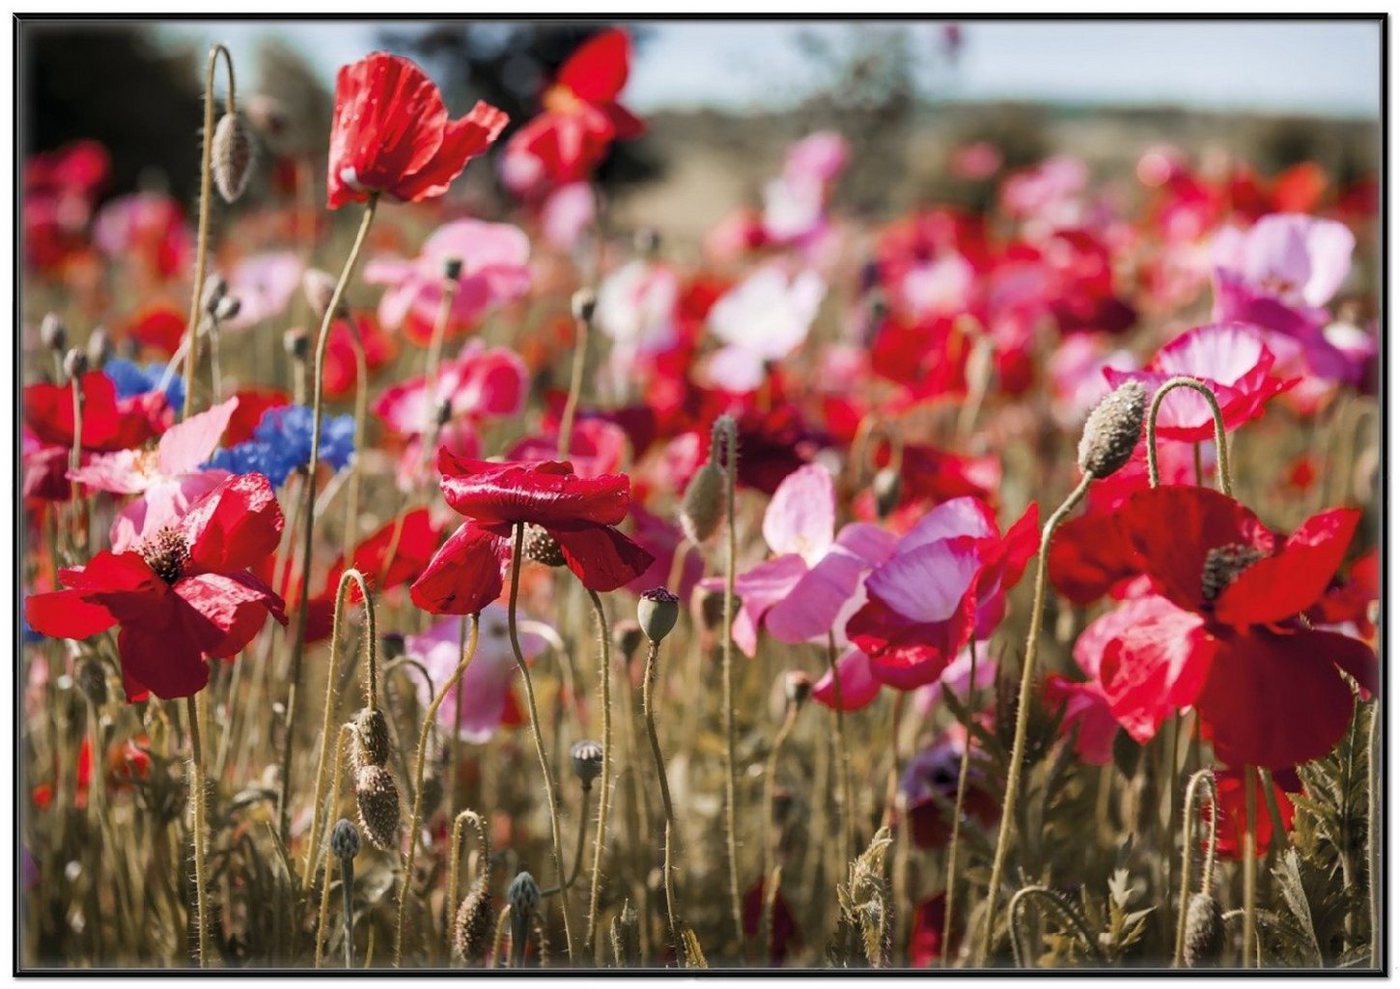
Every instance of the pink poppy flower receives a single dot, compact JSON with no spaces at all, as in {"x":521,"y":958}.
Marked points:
{"x":264,"y":285}
{"x":1076,"y":375}
{"x":1299,"y":259}
{"x":479,"y":383}
{"x":1231,"y":359}
{"x":167,"y":478}
{"x":761,"y":320}
{"x":946,"y":581}
{"x":1084,"y":714}
{"x":485,"y":687}
{"x":860,"y":685}
{"x":597,"y":447}
{"x":566,"y":213}
{"x":794,"y":204}
{"x":495,"y":260}
{"x":812,"y":585}
{"x":148,"y":225}
{"x":637,"y":312}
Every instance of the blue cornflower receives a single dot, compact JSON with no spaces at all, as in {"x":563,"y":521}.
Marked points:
{"x":282,"y":442}
{"x":131,"y":380}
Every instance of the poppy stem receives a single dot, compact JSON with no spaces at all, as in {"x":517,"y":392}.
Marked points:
{"x":341,"y":738}
{"x":649,"y":715}
{"x":549,"y":791}
{"x":600,"y":839}
{"x":843,"y":760}
{"x":347,"y":892}
{"x":308,"y":532}
{"x":770,"y":839}
{"x":206,"y":180}
{"x":197,"y":800}
{"x":950,"y":885}
{"x":351,"y":576}
{"x":1222,"y":449}
{"x":416,"y":820}
{"x":1202,"y":778}
{"x":1251,"y":862}
{"x":727,"y":429}
{"x":454,"y":860}
{"x":1023,"y":705}
{"x":352,"y":496}
{"x":566,"y":421}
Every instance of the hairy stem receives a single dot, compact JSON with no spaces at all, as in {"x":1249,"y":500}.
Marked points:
{"x":649,"y":715}
{"x":197,"y":800}
{"x":950,"y":885}
{"x":1222,"y":449}
{"x":1202,"y":778}
{"x":604,"y":797}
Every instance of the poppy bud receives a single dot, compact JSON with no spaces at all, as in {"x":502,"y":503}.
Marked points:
{"x":471,"y":930}
{"x":53,"y":334}
{"x":1112,"y":430}
{"x":583,"y":304}
{"x":523,"y":895}
{"x":345,"y":840}
{"x":75,"y":363}
{"x":541,"y":547}
{"x":377,"y":801}
{"x":99,"y":348}
{"x":703,"y":504}
{"x":296,"y":343}
{"x":452,"y":269}
{"x":391,"y":646}
{"x":587,"y":756}
{"x":657,"y":611}
{"x":797,"y":687}
{"x":232,"y":156}
{"x":647,"y":242}
{"x":319,"y":288}
{"x":627,"y":637}
{"x":227,"y":308}
{"x":1205,"y":932}
{"x":371,"y":738}
{"x":886,"y":487}
{"x":215,"y":288}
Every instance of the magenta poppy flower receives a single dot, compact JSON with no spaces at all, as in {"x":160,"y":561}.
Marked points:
{"x":1084,"y":715}
{"x":946,"y":581}
{"x":1301,"y":260}
{"x":1231,"y":359}
{"x":495,"y":260}
{"x":183,"y":597}
{"x":580,"y":513}
{"x":860,"y":685}
{"x":479,"y":383}
{"x":566,"y":214}
{"x":597,"y":447}
{"x":811,"y":586}
{"x":485,"y":687}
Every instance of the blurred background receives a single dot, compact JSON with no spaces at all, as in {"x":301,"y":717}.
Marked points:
{"x":722,"y":100}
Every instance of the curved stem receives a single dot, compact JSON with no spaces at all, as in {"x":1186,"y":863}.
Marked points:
{"x":604,"y":798}
{"x":309,"y":522}
{"x":351,"y":576}
{"x":1188,"y":817}
{"x":347,"y":892}
{"x":415,"y":822}
{"x":1251,"y":861}
{"x":1013,"y":912}
{"x":455,"y":858}
{"x":1023,"y":704}
{"x":649,"y":715}
{"x":566,"y":421}
{"x":1222,"y":449}
{"x":206,"y":181}
{"x":728,"y":429}
{"x":197,"y":799}
{"x":950,"y":885}
{"x":549,"y":791}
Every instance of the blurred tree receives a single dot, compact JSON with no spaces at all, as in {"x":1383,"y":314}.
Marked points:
{"x":112,"y":83}
{"x":509,"y":65}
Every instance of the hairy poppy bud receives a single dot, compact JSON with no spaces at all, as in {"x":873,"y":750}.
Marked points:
{"x":75,"y":363}
{"x":541,"y":547}
{"x":1112,"y":430}
{"x":99,"y":348}
{"x":703,"y":504}
{"x":797,"y":687}
{"x":523,"y":895}
{"x":627,"y":637}
{"x":471,"y":929}
{"x":215,"y":288}
{"x":657,"y":611}
{"x":587,"y":756}
{"x":319,"y":288}
{"x":452,"y":269}
{"x":886,"y":488}
{"x":371,"y":738}
{"x":345,"y":839}
{"x":377,"y":801}
{"x":1205,"y":932}
{"x":583,"y":304}
{"x":232,"y":156}
{"x":296,"y":343}
{"x":53,"y":334}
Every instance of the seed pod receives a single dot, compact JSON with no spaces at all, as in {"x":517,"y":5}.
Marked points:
{"x":627,"y":637}
{"x":232,"y":156}
{"x":53,"y":334}
{"x":1205,"y":932}
{"x":319,"y":288}
{"x":92,"y":681}
{"x":472,"y":927}
{"x":296,"y":343}
{"x":451,"y":269}
{"x":797,"y":686}
{"x":75,"y":363}
{"x":371,"y":738}
{"x":345,"y":839}
{"x":587,"y":757}
{"x":886,"y":487}
{"x":99,"y":348}
{"x":657,"y":611}
{"x":702,"y":507}
{"x":541,"y":547}
{"x":583,"y":304}
{"x":377,"y":800}
{"x":1112,"y":430}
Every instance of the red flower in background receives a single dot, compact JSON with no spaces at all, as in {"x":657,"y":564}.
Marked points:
{"x":580,"y":513}
{"x":160,"y":327}
{"x":581,"y":117}
{"x":341,"y":366}
{"x":1229,"y":785}
{"x":391,"y":133}
{"x":185,"y":596}
{"x":108,"y":424}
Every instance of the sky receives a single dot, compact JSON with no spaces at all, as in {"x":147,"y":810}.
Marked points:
{"x":1327,"y":67}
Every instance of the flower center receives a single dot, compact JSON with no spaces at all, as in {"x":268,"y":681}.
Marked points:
{"x":541,"y":547}
{"x":166,"y":553}
{"x":1223,"y":566}
{"x":561,"y":99}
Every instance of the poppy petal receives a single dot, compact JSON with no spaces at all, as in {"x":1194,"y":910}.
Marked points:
{"x":462,"y":140}
{"x":597,"y":70}
{"x":164,"y":659}
{"x":234,"y":608}
{"x":234,"y":527}
{"x":66,"y":615}
{"x":858,"y":686}
{"x":801,"y":518}
{"x":603,"y":558}
{"x":545,"y":493}
{"x":1279,"y":587}
{"x":464,"y":576}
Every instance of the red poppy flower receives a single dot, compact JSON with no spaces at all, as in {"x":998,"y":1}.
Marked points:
{"x":391,"y":133}
{"x":108,"y":425}
{"x":1229,"y":785}
{"x":185,"y":596}
{"x":785,"y":933}
{"x":252,"y":403}
{"x":341,"y":366}
{"x":581,"y":117}
{"x":926,"y":933}
{"x":160,"y":327}
{"x":1272,"y":695}
{"x":580,"y":513}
